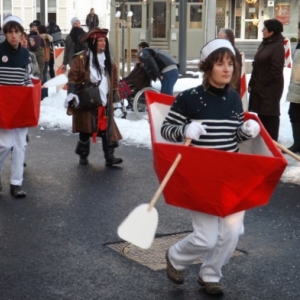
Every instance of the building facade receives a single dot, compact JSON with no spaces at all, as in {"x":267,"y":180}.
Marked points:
{"x":60,"y":11}
{"x":157,"y":21}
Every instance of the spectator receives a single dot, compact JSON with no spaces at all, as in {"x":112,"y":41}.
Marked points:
{"x":226,"y":33}
{"x":94,"y":65}
{"x":36,"y":48}
{"x":159,"y":64}
{"x":34,"y":66}
{"x":2,"y":35}
{"x":266,"y":82}
{"x":54,"y":30}
{"x":293,"y":96}
{"x":69,"y":44}
{"x":92,"y":19}
{"x":209,"y":122}
{"x":33,"y":29}
{"x":138,"y":77}
{"x":46,"y":44}
{"x":16,"y":64}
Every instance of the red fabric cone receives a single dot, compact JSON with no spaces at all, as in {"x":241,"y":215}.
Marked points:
{"x":214,"y":182}
{"x":20,"y":105}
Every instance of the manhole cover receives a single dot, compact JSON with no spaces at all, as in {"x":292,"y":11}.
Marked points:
{"x":153,"y":258}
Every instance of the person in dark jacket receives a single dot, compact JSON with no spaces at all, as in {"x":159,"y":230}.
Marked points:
{"x":267,"y":82}
{"x":138,"y":77}
{"x":159,"y":64}
{"x":92,"y":19}
{"x":227,"y":33}
{"x":293,"y":96}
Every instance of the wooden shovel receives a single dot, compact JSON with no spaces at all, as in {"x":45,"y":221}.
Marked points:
{"x":287,"y":151}
{"x":140,"y":225}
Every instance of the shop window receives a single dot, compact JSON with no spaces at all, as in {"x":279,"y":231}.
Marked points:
{"x":137,"y":16}
{"x":195,"y":16}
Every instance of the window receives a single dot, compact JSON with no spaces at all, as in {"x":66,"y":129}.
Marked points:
{"x":195,"y":15}
{"x":137,"y":16}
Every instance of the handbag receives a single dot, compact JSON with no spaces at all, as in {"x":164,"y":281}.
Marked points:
{"x":89,"y":95}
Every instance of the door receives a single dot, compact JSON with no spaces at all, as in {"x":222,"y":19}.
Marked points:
{"x":249,"y":19}
{"x":158,"y":16}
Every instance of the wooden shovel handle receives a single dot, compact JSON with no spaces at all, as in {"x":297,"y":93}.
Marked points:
{"x":287,"y":151}
{"x":166,"y":178}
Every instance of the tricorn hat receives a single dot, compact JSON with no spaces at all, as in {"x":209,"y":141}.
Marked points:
{"x":94,"y":33}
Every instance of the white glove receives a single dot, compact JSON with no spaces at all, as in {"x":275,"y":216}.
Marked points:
{"x":69,"y":98}
{"x":251,"y":127}
{"x":194,"y":130}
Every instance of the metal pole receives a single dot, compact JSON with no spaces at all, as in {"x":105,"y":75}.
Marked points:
{"x":129,"y":42}
{"x":42,"y":12}
{"x":182,"y":35}
{"x":123,"y":32}
{"x":117,"y":22}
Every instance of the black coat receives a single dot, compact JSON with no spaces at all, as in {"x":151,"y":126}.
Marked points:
{"x":267,"y":82}
{"x":154,"y":61}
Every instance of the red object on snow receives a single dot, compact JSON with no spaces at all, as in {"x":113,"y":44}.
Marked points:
{"x":214,"y":182}
{"x":20,"y":105}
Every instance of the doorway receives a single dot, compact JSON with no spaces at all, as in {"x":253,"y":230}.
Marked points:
{"x":249,"y":19}
{"x":159,"y":17}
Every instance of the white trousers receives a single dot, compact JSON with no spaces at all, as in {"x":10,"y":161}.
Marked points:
{"x":15,"y":138}
{"x":213,"y":238}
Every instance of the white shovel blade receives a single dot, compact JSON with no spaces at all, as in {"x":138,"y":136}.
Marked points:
{"x":140,"y":226}
{"x":60,"y":79}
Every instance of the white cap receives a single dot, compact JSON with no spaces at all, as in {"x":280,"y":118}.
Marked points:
{"x":213,"y":46}
{"x":12,"y":19}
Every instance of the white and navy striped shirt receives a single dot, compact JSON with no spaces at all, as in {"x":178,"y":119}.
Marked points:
{"x":220,"y":109}
{"x":14,"y":65}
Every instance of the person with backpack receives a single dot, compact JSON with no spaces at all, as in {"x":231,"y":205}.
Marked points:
{"x":159,"y":64}
{"x":54,"y":30}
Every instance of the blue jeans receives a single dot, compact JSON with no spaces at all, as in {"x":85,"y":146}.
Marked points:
{"x":168,"y":81}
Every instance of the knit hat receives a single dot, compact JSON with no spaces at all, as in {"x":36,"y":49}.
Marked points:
{"x":213,"y":46}
{"x":12,"y":19}
{"x":73,"y":20}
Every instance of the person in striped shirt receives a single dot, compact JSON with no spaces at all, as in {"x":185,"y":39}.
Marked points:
{"x":212,"y":116}
{"x":14,"y":71}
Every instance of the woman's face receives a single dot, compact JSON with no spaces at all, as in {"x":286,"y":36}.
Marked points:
{"x":101,"y":44}
{"x":221,"y":73}
{"x":266,"y":33}
{"x":32,"y":42}
{"x":24,"y":42}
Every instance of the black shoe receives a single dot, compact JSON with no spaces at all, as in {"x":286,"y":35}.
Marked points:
{"x":83,"y":160}
{"x":17,"y":191}
{"x":113,"y":161}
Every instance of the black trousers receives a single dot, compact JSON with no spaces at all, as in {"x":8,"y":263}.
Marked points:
{"x":51,"y":67}
{"x":84,"y":137}
{"x":294,"y":112}
{"x":271,"y":123}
